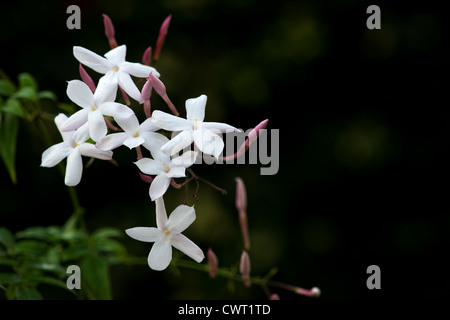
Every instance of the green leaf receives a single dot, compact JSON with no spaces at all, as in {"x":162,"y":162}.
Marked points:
{"x":106,"y":233}
{"x":45,"y":94}
{"x":14,"y":107}
{"x":8,"y":278}
{"x":6,"y":88}
{"x":95,"y":278}
{"x":24,"y":293}
{"x":55,"y":268}
{"x":30,"y":247}
{"x":9,"y":127}
{"x":6,"y":237}
{"x":8,"y":262}
{"x":109,"y":245}
{"x":26,"y":80}
{"x":50,"y":234}
{"x":51,"y":281}
{"x":26,"y":93}
{"x":67,"y":108}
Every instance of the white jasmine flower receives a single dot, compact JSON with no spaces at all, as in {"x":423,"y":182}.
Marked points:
{"x":192,"y":129}
{"x":163,"y":166}
{"x":72,"y":148}
{"x":95,"y":106}
{"x":116,"y":70}
{"x":134,"y":133}
{"x":168,"y":234}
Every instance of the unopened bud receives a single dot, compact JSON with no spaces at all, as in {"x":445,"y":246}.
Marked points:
{"x":147,"y":56}
{"x":87,"y":78}
{"x":146,"y":94}
{"x":161,"y":37}
{"x":313,"y":293}
{"x":274,"y":296}
{"x":109,"y":31}
{"x":160,"y":89}
{"x":213,"y":263}
{"x":244,"y":268}
{"x":241,"y":205}
{"x":252,"y":136}
{"x":125,"y":97}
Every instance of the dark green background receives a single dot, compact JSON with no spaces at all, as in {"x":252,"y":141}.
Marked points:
{"x":363,"y":119}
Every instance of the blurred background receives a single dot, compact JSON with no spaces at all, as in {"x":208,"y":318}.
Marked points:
{"x":364,"y":139}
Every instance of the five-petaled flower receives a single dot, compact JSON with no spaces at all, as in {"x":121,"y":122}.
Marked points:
{"x":74,"y":146}
{"x":192,"y":129}
{"x":163,"y":166}
{"x":116,"y":70}
{"x":95,"y":106}
{"x":168,"y":234}
{"x":134,"y":133}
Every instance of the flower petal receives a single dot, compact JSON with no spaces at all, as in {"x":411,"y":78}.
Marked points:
{"x":159,"y":186}
{"x":114,"y":109}
{"x":182,"y":243}
{"x":186,"y":160}
{"x":75,"y":121}
{"x":169,"y":122}
{"x":221,"y":127}
{"x":133,"y":142}
{"x":148,"y":126}
{"x":81,"y":134}
{"x":97,"y":125}
{"x":74,"y":168}
{"x":117,"y":55}
{"x":160,"y":255}
{"x":179,"y":142}
{"x":127,"y":84}
{"x":89,"y":150}
{"x":55,"y":154}
{"x":177,"y":172}
{"x":208,"y":142}
{"x":153,"y":143}
{"x":112,"y":141}
{"x":106,"y":89}
{"x":92,"y":60}
{"x":195,"y":108}
{"x":144,"y":234}
{"x":129,"y":123}
{"x":161,"y":215}
{"x":79,"y":93}
{"x":138,"y":70}
{"x":181,"y":218}
{"x":150,"y":166}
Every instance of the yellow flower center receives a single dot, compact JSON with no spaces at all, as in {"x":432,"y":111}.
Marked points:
{"x":166,"y":169}
{"x":115,"y":69}
{"x":166,"y":232}
{"x":136,"y":134}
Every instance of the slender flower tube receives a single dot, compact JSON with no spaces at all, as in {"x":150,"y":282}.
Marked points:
{"x":87,"y":78}
{"x":161,"y":37}
{"x":147,"y":56}
{"x":241,"y":205}
{"x":160,"y":89}
{"x":213,"y":263}
{"x":244,"y":268}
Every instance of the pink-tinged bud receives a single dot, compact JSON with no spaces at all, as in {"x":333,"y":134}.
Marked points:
{"x":145,"y":178}
{"x":213,"y":263}
{"x":110,"y":125}
{"x":241,"y":205}
{"x":244,"y":269}
{"x":313,"y":293}
{"x":274,"y":296}
{"x":126,"y":99}
{"x":160,"y":89}
{"x":147,"y":56}
{"x":146,"y":93}
{"x":162,"y":36}
{"x":109,"y":31}
{"x":252,"y":136}
{"x":87,"y":79}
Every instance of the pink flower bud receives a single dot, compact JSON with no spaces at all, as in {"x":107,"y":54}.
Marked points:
{"x":244,"y":268}
{"x":125,"y":97}
{"x":87,"y":79}
{"x":252,"y":136}
{"x":241,"y":205}
{"x":109,"y":31}
{"x":160,"y":89}
{"x":145,"y":178}
{"x":313,"y":293}
{"x":274,"y":296}
{"x":162,"y":36}
{"x":147,"y":56}
{"x":146,"y":94}
{"x":213,"y":263}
